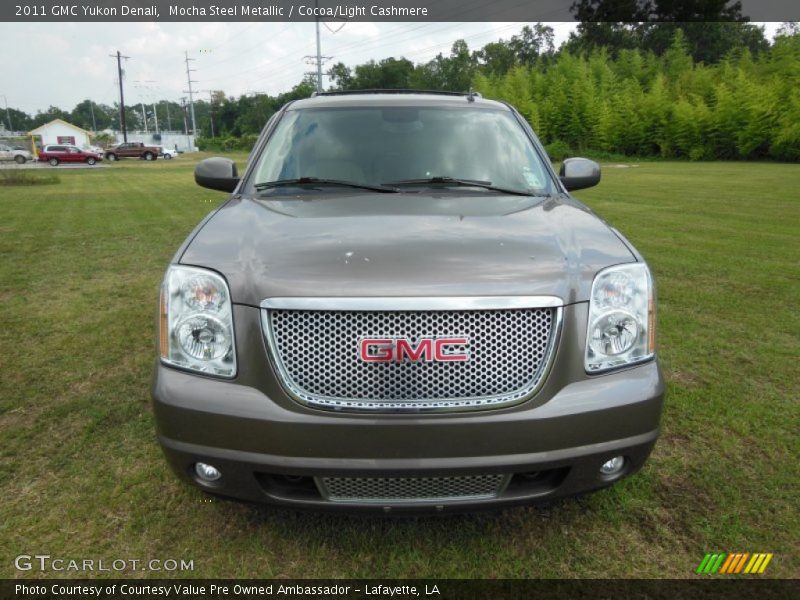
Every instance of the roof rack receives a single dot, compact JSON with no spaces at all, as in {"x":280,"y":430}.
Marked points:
{"x":393,"y":91}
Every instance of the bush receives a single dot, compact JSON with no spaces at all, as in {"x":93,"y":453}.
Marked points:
{"x":558,"y":150}
{"x":227,"y":144}
{"x":247,"y":141}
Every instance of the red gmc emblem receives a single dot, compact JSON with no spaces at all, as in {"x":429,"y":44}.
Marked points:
{"x":399,"y":349}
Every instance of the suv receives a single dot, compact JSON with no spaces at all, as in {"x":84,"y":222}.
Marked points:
{"x":401,"y":307}
{"x":58,"y":153}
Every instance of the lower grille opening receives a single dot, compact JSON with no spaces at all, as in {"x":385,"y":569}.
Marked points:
{"x":411,"y":489}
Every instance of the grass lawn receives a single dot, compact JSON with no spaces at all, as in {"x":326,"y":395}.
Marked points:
{"x":82,"y":477}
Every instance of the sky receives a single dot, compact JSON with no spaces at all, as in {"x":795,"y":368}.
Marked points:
{"x":61,"y":64}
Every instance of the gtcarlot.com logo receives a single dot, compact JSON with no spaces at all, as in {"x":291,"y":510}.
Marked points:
{"x":736,"y":563}
{"x":46,"y":562}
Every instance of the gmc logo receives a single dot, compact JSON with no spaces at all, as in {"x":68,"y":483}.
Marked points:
{"x":398,"y":349}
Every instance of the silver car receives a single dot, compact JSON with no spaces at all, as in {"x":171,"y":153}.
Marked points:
{"x":18,"y":156}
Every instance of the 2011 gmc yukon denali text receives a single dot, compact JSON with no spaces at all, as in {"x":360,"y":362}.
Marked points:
{"x":400,"y":307}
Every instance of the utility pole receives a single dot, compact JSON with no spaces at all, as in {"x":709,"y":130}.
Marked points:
{"x":144,"y":117}
{"x":150,"y":93}
{"x":122,"y":124}
{"x":185,"y":124}
{"x":317,"y":60}
{"x":319,"y":52}
{"x":211,"y":109}
{"x":169,"y":121}
{"x":94,"y":123}
{"x":191,"y":94}
{"x":8,"y":114}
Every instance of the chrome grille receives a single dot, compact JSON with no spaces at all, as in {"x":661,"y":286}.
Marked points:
{"x":411,"y":489}
{"x":317,"y":357}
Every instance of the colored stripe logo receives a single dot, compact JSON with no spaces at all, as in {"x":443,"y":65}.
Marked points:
{"x":735,"y":563}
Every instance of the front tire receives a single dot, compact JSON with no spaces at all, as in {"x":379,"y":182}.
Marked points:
{"x":53,"y":162}
{"x":20,"y":160}
{"x":149,"y":156}
{"x":111,"y":157}
{"x":168,"y":157}
{"x":91,"y":161}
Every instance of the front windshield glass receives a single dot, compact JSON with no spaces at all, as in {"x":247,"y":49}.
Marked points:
{"x":385,"y":145}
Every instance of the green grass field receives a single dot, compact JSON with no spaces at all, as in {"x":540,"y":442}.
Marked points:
{"x":82,"y":477}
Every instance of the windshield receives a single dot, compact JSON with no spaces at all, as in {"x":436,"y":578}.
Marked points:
{"x":386,"y":145}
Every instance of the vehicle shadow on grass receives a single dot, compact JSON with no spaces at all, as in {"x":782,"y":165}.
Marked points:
{"x":311,"y":522}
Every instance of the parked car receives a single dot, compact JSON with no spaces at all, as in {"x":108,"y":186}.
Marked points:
{"x":95,"y":149}
{"x":58,"y":153}
{"x":18,"y":155}
{"x":168,"y":153}
{"x":401,"y":307}
{"x":132,"y":150}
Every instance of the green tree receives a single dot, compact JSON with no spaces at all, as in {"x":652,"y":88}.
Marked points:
{"x":53,"y":112}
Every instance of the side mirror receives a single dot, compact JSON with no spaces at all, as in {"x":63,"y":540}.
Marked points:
{"x":217,"y":174}
{"x":579,"y":173}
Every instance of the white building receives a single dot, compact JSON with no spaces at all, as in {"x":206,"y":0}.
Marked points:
{"x":61,"y":132}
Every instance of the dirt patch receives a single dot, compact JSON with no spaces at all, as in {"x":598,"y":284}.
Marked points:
{"x":684,"y":378}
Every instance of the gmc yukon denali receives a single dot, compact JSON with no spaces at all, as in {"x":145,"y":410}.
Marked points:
{"x":400,"y":307}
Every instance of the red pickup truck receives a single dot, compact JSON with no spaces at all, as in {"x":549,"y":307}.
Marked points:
{"x":132,"y":150}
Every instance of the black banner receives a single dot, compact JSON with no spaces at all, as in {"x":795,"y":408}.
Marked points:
{"x":382,"y":10}
{"x":400,"y":589}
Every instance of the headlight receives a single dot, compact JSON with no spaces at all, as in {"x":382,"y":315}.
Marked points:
{"x":196,"y":322}
{"x":621,"y":328}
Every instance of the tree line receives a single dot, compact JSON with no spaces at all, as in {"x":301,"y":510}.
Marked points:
{"x":698,"y":90}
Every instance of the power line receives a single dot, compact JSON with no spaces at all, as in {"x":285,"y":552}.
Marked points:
{"x":427,"y":49}
{"x":276,"y":75}
{"x":247,"y":50}
{"x":273,"y":73}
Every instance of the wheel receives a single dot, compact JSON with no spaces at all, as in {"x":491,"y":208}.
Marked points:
{"x":111,"y":157}
{"x":20,"y":160}
{"x":91,"y":160}
{"x":168,"y":157}
{"x":149,"y":156}
{"x":53,"y":162}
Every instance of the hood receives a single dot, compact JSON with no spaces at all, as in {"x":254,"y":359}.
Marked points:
{"x":383,"y":245}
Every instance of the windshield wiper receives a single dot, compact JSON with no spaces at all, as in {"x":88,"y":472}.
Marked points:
{"x":454,"y":181}
{"x":315,"y":181}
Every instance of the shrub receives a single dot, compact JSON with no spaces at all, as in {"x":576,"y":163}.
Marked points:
{"x":13,"y":176}
{"x":558,"y":150}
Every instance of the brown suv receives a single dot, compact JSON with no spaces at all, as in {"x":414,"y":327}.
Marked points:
{"x":401,"y":307}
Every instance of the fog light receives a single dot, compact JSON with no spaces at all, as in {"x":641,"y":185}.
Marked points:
{"x":206,"y":472}
{"x":613,"y":466}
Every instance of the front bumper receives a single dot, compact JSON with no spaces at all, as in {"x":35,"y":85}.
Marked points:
{"x":271,"y":451}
